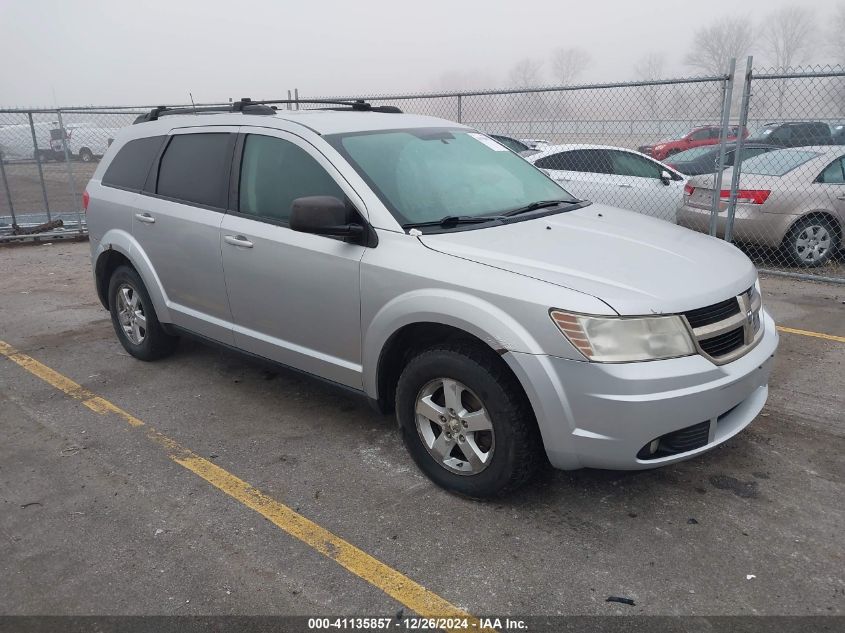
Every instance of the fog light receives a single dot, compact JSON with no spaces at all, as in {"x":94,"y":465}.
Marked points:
{"x":652,"y":448}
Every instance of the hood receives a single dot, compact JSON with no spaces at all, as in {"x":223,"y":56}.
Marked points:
{"x":634,"y":263}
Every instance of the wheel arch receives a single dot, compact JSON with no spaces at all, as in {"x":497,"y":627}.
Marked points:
{"x":824,"y":214}
{"x":118,"y":248}
{"x":407,"y":325}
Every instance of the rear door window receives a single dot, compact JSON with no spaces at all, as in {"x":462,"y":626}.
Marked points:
{"x":594,"y":161}
{"x":625,"y":164}
{"x":129,"y":169}
{"x":195,"y":168}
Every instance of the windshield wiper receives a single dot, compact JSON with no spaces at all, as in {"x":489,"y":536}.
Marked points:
{"x":454,"y":220}
{"x":540,"y":204}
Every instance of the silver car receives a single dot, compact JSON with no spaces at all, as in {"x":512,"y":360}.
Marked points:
{"x":792,"y":199}
{"x":426,"y":267}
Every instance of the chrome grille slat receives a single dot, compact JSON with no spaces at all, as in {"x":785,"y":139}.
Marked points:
{"x":725,"y":331}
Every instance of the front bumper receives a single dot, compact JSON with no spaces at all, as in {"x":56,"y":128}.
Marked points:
{"x":751,"y":224}
{"x":601,"y":415}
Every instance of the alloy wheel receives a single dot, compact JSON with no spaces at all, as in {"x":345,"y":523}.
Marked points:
{"x":130,"y":314}
{"x":454,"y":426}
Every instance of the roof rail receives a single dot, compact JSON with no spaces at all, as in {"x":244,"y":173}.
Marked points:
{"x":264,"y":107}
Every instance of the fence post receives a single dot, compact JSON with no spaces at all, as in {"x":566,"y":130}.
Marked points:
{"x":460,"y":110}
{"x":8,"y":193}
{"x":70,"y":180}
{"x":727,"y":95}
{"x":296,"y":96}
{"x":38,"y":162}
{"x":740,"y":141}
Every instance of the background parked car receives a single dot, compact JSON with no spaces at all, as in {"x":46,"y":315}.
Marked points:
{"x":794,"y":134}
{"x":84,"y":142}
{"x":16,"y":141}
{"x":704,"y":160}
{"x":616,"y":176}
{"x":697,"y":137}
{"x":535,"y":143}
{"x":518,"y":147}
{"x":792,"y":199}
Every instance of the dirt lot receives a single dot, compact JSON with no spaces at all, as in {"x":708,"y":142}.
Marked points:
{"x":25,"y":186}
{"x":97,"y":519}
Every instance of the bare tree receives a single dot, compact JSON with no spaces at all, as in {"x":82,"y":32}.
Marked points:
{"x":650,"y":66}
{"x":568,"y":64}
{"x":529,"y":105}
{"x":789,"y":36}
{"x":525,"y":73}
{"x":789,"y":40}
{"x":715,"y":44}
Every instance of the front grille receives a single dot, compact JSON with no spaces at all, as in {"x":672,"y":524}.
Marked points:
{"x":723,"y":343}
{"x":712,"y":314}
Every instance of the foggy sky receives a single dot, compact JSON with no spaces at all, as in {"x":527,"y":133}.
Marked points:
{"x":116,"y":52}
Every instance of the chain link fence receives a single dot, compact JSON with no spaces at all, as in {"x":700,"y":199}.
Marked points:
{"x":664,"y":148}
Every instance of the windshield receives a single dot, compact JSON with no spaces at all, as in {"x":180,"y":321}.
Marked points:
{"x":692,"y":154}
{"x":776,"y":163}
{"x":426,"y":174}
{"x":763,"y":133}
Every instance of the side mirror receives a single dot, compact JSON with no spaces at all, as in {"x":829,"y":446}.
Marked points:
{"x":665,"y":177}
{"x":323,"y":215}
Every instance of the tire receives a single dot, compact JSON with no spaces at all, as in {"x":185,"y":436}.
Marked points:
{"x":85,"y":155}
{"x":129,"y":302}
{"x":507,"y":455}
{"x":811,"y":242}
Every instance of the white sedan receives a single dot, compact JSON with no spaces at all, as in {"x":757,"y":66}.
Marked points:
{"x":616,"y":176}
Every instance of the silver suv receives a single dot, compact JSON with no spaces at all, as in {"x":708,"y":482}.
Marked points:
{"x":425,"y":266}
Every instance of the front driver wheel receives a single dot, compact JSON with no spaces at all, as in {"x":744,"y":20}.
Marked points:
{"x":466,"y":421}
{"x":134,"y":318}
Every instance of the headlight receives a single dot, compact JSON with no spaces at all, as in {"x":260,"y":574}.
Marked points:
{"x":625,"y":339}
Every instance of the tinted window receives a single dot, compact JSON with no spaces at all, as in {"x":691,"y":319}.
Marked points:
{"x":130,"y":167}
{"x":700,"y":135}
{"x":693,"y":153}
{"x":195,"y":168}
{"x":834,"y":173}
{"x":275,"y":172}
{"x":626,"y":164}
{"x":594,"y":161}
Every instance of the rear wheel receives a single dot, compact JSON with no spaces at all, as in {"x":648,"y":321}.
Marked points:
{"x":134,"y":318}
{"x":812,"y":241}
{"x":466,"y":421}
{"x":86,"y":155}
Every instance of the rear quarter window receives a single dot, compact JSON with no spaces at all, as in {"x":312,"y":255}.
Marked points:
{"x":129,"y":168}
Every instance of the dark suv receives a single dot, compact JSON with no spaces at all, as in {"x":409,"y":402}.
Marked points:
{"x":793,"y":134}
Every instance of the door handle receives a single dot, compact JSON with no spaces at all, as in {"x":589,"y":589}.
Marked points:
{"x":627,"y":186}
{"x":145,"y":217}
{"x":842,"y":197}
{"x":237,"y":240}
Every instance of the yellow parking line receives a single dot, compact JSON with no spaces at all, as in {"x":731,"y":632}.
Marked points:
{"x":392,"y":582}
{"x":827,"y":337}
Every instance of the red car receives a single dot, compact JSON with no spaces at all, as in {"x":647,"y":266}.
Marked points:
{"x":704,"y":135}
